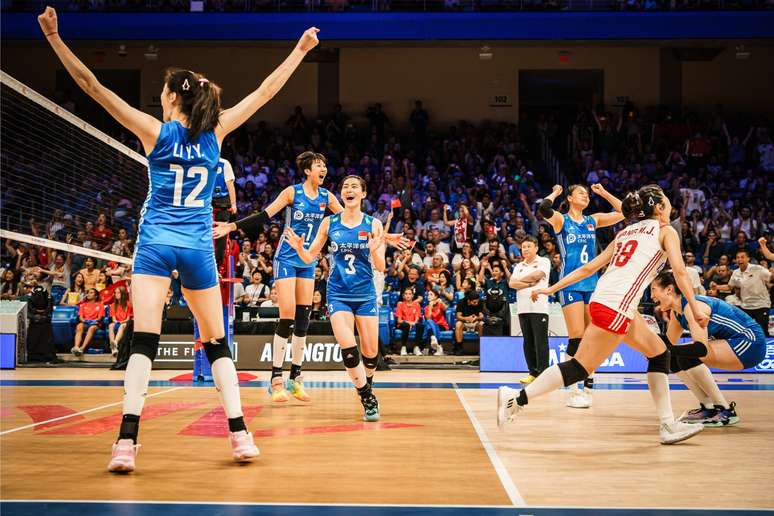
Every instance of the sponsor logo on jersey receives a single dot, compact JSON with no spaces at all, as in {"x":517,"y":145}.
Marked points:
{"x":571,"y":238}
{"x":362,"y":235}
{"x":334,"y":247}
{"x":298,"y":215}
{"x":322,"y":206}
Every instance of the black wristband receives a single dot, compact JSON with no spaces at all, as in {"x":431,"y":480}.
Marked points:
{"x":546,"y":208}
{"x":253,"y":224}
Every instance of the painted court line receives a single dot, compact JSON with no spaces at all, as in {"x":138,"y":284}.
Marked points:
{"x":502,"y":472}
{"x":81,"y":413}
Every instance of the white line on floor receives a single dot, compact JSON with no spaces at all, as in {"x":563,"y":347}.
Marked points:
{"x":502,"y":472}
{"x":60,"y":418}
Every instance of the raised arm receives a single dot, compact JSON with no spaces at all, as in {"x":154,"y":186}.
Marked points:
{"x":376,"y":245}
{"x":671,"y":244}
{"x":297,"y":242}
{"x":546,"y":209}
{"x":232,"y":118}
{"x":765,"y":250}
{"x":607,"y":219}
{"x":144,"y":126}
{"x":335,"y":206}
{"x":252,"y":224}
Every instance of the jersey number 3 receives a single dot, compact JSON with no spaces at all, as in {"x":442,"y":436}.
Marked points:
{"x":180,"y":174}
{"x":624,"y":252}
{"x":350,"y":259}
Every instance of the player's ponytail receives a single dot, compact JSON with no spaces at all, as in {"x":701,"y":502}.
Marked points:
{"x":199,"y":100}
{"x":642,"y":203}
{"x":666,"y":279}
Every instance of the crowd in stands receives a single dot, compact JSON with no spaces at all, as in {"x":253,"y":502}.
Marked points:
{"x":466,"y":196}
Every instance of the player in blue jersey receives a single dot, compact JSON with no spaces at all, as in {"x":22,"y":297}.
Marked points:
{"x":223,"y":203}
{"x":732,"y":341}
{"x":305,"y":206}
{"x":175,"y":228}
{"x":357,"y":243}
{"x":577,"y":241}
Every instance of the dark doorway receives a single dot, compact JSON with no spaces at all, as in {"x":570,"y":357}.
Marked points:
{"x":125,"y":84}
{"x":560,"y":93}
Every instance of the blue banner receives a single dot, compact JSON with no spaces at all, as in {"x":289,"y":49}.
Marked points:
{"x":506,"y":354}
{"x":413,"y":26}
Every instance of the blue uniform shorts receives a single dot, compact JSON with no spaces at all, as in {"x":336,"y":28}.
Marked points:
{"x":196,"y":267}
{"x":568,"y":297}
{"x":750,"y":352}
{"x":358,"y":308}
{"x":284,"y":270}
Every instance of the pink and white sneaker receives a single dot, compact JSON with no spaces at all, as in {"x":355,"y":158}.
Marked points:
{"x":242,"y":445}
{"x":122,"y":460}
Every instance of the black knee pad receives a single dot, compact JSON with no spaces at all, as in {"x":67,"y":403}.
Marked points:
{"x":215,"y":351}
{"x":674,"y":364}
{"x":351,"y":357}
{"x":659,"y":363}
{"x":572,"y":372}
{"x":284,"y":328}
{"x":302,"y":320}
{"x":572,"y":346}
{"x":371,"y":362}
{"x":145,"y":344}
{"x":687,"y":363}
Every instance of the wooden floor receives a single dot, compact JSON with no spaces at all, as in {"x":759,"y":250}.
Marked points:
{"x":437,"y":445}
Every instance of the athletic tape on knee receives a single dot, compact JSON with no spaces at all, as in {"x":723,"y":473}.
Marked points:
{"x":302,"y":320}
{"x":572,"y":346}
{"x":216,"y":350}
{"x":145,"y":344}
{"x":284,"y":328}
{"x":659,"y":363}
{"x":370,"y":362}
{"x":572,"y":372}
{"x":351,"y":357}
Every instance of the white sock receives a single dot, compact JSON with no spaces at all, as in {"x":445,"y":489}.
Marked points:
{"x":658,"y":384}
{"x":278,"y":351}
{"x":224,"y":375}
{"x":357,"y":375}
{"x":703,"y":376}
{"x":297,"y":349}
{"x":136,"y":379}
{"x":695,"y":388}
{"x":549,"y":380}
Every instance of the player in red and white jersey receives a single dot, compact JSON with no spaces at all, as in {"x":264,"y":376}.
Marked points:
{"x":633,"y":260}
{"x":637,"y":258}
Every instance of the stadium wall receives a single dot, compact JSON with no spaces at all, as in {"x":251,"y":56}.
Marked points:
{"x":452,"y":81}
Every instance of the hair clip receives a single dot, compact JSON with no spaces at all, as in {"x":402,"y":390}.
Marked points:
{"x":186,"y":85}
{"x":651,"y":201}
{"x":203,"y":81}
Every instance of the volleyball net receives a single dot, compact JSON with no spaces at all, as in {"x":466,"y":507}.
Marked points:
{"x":65,"y":186}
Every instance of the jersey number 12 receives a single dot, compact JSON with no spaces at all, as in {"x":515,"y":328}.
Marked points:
{"x":180,"y":174}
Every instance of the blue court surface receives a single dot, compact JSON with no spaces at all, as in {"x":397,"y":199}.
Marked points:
{"x":68,"y":508}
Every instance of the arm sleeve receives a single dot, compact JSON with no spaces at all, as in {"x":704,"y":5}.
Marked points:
{"x":228,"y":172}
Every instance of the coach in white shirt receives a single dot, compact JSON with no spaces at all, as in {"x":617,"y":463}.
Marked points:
{"x":530,"y":274}
{"x":753,"y":284}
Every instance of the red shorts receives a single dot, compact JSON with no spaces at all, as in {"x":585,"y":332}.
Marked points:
{"x":608,"y":319}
